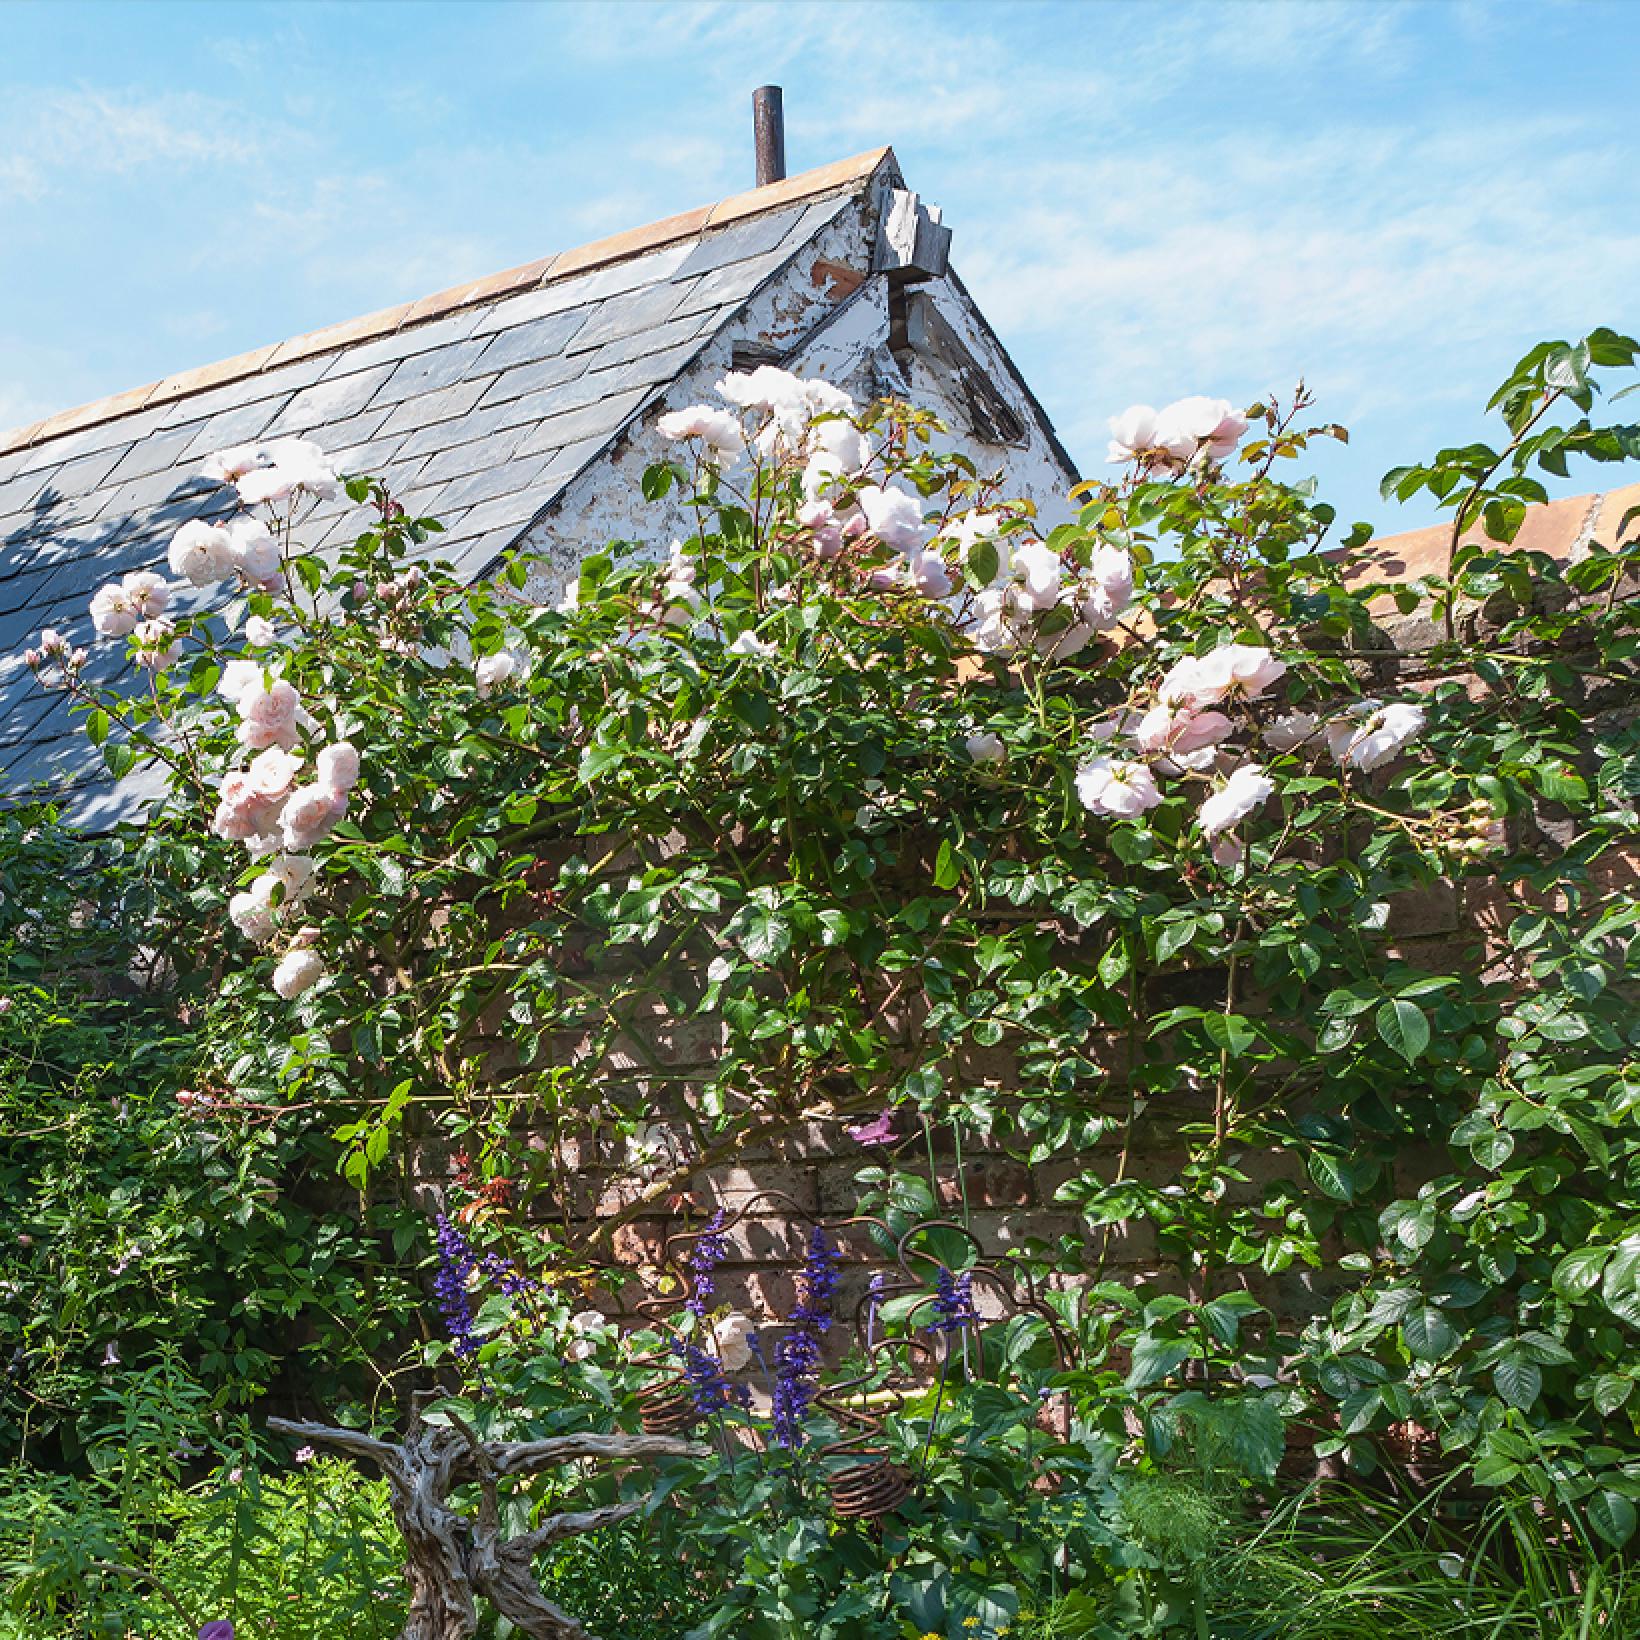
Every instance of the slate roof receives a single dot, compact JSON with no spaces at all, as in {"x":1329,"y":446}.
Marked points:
{"x":479,"y":405}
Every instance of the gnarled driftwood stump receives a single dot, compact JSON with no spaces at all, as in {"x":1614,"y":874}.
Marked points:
{"x":451,"y":1557}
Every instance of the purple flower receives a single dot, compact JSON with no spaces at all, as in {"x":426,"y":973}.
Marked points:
{"x":953,"y":1302}
{"x":455,"y":1268}
{"x":878,"y":1131}
{"x":506,"y":1275}
{"x":710,"y":1249}
{"x":218,"y":1629}
{"x":708,"y":1388}
{"x":797,"y":1359}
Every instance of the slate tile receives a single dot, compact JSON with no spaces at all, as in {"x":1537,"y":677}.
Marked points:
{"x":156,"y":453}
{"x":87,"y":472}
{"x":500,"y":513}
{"x":402,"y":343}
{"x":533,"y":378}
{"x":477,"y":456}
{"x":600,"y":418}
{"x":178,"y":493}
{"x":266,"y":384}
{"x":524,"y":344}
{"x":729,"y":287}
{"x":23,"y":591}
{"x":536,"y":304}
{"x":99,"y":436}
{"x":463,"y":429}
{"x":643,"y":371}
{"x":242,"y":424}
{"x":657,"y":339}
{"x":425,"y":373}
{"x":624,"y":315}
{"x":337,"y":398}
{"x":506,"y":478}
{"x":740,"y":241}
{"x":444,"y":405}
{"x":24,"y":706}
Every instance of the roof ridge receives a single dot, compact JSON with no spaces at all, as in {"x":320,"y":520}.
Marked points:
{"x":600,"y":253}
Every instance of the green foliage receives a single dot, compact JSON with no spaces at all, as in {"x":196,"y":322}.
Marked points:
{"x":140,"y":1237}
{"x":734,"y":798}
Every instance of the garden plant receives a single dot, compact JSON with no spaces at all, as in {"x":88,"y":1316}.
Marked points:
{"x":937,"y":827}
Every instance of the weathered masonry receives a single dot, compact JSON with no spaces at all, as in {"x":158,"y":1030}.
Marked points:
{"x":519,"y":409}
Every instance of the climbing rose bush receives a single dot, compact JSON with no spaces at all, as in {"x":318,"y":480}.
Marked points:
{"x":932,"y":822}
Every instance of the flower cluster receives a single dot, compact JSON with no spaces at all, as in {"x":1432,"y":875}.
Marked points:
{"x":455,"y":1271}
{"x":1186,"y":434}
{"x":953,"y":1302}
{"x":797,"y":1358}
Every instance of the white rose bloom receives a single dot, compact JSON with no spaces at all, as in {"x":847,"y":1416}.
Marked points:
{"x":720,"y":431}
{"x":1197,"y":424}
{"x":238,"y":676}
{"x":894,"y":517}
{"x":252,"y":915}
{"x":112,"y":613}
{"x":157,"y":645}
{"x":260,"y":632}
{"x":492,"y":672}
{"x":228,"y":466}
{"x":1246,"y":790}
{"x":255,"y":551}
{"x":1372,"y":734}
{"x":297,"y":972}
{"x":1132,"y":433}
{"x":272,"y":773}
{"x":291,"y":872}
{"x":1108,"y":785}
{"x":1108,"y":589}
{"x":748,"y":643}
{"x":985,"y":747}
{"x":337,"y":767}
{"x":991,"y":630}
{"x":1291,"y":731}
{"x":926,"y":571}
{"x":201,"y":553}
{"x":733,"y":1335}
{"x":1038,"y":575}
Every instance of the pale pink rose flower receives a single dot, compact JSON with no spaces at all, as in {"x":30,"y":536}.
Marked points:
{"x":820,"y":518}
{"x":1107,"y":590}
{"x":252,"y":915}
{"x":337,"y":766}
{"x":237,"y":677}
{"x":1163,"y":730}
{"x":260,"y":633}
{"x":268,"y":714}
{"x":926,"y":571}
{"x":292,"y":873}
{"x":1117,"y":787}
{"x":894,"y":517}
{"x":985,"y":747}
{"x":201,"y":553}
{"x":1198,"y":424}
{"x":1037,"y":576}
{"x":297,"y":972}
{"x":1247,"y":789}
{"x":309,"y":815}
{"x":112,"y":613}
{"x":157,"y":645}
{"x":1228,"y":851}
{"x":840,"y":442}
{"x":1373,"y":734}
{"x":272,"y":773}
{"x":492,"y":672}
{"x":1132,"y":433}
{"x":1291,"y":731}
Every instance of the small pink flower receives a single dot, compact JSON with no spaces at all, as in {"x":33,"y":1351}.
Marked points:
{"x":878,"y":1131}
{"x":305,"y":1454}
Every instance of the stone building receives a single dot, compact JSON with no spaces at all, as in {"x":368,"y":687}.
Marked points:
{"x":518,"y":409}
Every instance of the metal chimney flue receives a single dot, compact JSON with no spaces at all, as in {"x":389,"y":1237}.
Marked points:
{"x":769,"y":131}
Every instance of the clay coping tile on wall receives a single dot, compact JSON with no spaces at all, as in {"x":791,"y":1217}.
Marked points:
{"x":602,"y":252}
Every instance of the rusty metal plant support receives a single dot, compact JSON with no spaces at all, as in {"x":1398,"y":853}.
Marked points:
{"x":869,"y":1484}
{"x":452,"y":1558}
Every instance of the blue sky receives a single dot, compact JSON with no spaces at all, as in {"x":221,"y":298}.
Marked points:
{"x":1393,"y":200}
